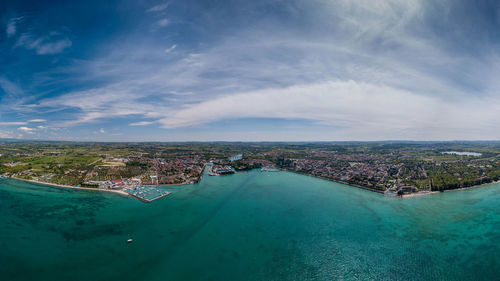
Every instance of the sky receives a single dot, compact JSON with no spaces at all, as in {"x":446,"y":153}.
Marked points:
{"x":262,"y":70}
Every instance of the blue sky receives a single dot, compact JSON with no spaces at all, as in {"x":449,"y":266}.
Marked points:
{"x":250,"y":70}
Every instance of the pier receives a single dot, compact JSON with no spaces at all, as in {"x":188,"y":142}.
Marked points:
{"x":146,"y":194}
{"x":269,"y":169}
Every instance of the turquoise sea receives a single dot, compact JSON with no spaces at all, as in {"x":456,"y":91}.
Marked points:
{"x":248,"y":226}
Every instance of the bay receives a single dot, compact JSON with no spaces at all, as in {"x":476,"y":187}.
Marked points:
{"x":248,"y":226}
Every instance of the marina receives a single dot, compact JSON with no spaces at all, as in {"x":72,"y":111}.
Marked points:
{"x":146,"y":194}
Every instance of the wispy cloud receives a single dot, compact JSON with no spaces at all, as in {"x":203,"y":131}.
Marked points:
{"x":326,"y":83}
{"x":17,"y":123}
{"x":378,"y":68}
{"x":163,"y":22}
{"x":158,"y":8}
{"x":11,"y":89}
{"x":11,"y":28}
{"x":357,"y":107}
{"x":142,"y":123}
{"x":46,"y":45}
{"x":50,"y":48}
{"x":4,"y":134}
{"x":13,"y":123}
{"x":168,"y":50}
{"x":27,"y":130}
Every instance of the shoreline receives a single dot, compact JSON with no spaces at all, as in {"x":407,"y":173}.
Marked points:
{"x":167,"y":184}
{"x":336,"y":181}
{"x":121,"y":192}
{"x":416,"y":194}
{"x":71,"y":187}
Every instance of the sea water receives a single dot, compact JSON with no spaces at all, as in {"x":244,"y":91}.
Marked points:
{"x":248,"y":226}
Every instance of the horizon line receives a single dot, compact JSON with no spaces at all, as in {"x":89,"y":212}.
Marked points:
{"x":241,"y":141}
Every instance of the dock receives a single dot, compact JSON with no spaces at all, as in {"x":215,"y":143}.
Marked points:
{"x":146,"y":194}
{"x":269,"y":169}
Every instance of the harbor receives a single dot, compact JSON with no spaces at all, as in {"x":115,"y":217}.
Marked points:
{"x":146,"y":194}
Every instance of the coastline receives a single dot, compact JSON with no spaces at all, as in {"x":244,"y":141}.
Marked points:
{"x":167,"y":184}
{"x":472,"y":186}
{"x":120,"y":192}
{"x":411,"y":195}
{"x":336,"y":181}
{"x":416,"y":194}
{"x":72,"y":187}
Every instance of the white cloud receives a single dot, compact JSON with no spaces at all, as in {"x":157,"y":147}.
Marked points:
{"x":11,"y":28}
{"x":376,"y":92}
{"x":108,"y":102}
{"x":4,"y":134}
{"x":11,"y":89}
{"x":170,"y":49}
{"x":163,"y":22}
{"x":356,"y":107}
{"x":142,"y":123}
{"x":27,"y":130}
{"x":50,"y":48}
{"x":44,"y":45}
{"x":372,"y":75}
{"x":158,"y":8}
{"x":12,"y":123}
{"x":17,"y":123}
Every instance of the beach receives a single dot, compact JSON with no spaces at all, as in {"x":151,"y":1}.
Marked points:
{"x":418,"y":194}
{"x":73,"y":187}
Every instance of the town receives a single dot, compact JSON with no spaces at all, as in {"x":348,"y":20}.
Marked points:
{"x":138,"y":168}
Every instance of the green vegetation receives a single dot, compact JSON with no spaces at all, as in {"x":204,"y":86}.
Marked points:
{"x":374,"y":165}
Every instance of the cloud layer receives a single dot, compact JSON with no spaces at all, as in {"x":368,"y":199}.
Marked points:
{"x":358,"y":69}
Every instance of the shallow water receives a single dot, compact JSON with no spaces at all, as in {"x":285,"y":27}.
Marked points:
{"x":248,"y":226}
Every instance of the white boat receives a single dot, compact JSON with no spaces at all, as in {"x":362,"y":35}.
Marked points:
{"x":130,"y":240}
